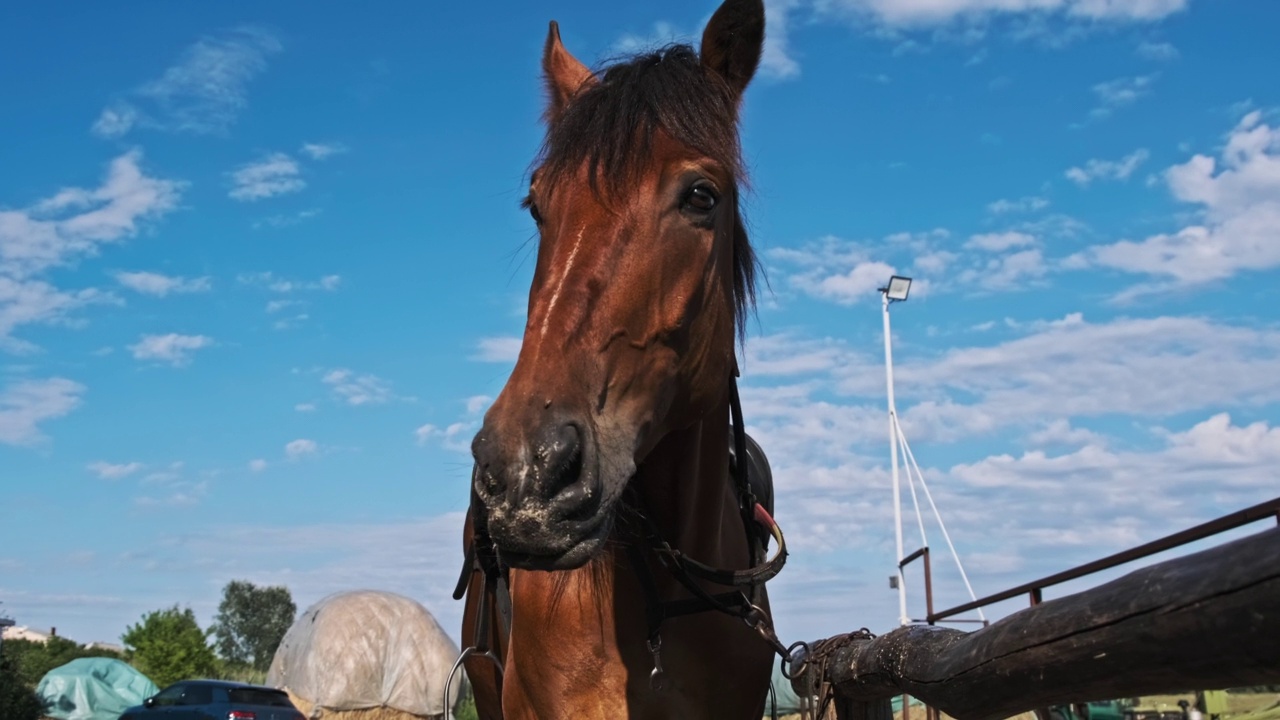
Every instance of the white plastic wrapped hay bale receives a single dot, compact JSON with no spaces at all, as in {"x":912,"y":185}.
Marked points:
{"x":366,"y":655}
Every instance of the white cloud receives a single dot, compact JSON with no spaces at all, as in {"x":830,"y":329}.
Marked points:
{"x":149,"y":283}
{"x":1007,"y":272}
{"x":1061,"y":432}
{"x":281,"y":221}
{"x":257,"y":465}
{"x":290,"y":322}
{"x":305,"y":407}
{"x":1120,"y":92}
{"x":202,"y":93}
{"x":1021,"y":205}
{"x":1156,"y":51}
{"x":322,"y":151}
{"x":275,"y":306}
{"x":110,"y":471}
{"x":455,"y":436}
{"x":355,"y":389}
{"x":843,"y":272}
{"x":859,"y":283}
{"x":777,"y":62}
{"x":1214,"y":455}
{"x":275,"y":174}
{"x":830,"y":403}
{"x":277,"y":284}
{"x":27,"y":403}
{"x":59,"y":230}
{"x":300,"y":448}
{"x":172,"y":348}
{"x":660,"y":34}
{"x":497,"y":349}
{"x":24,"y":302}
{"x":1239,"y":199}
{"x":115,"y":121}
{"x":1123,"y":91}
{"x":824,"y":429}
{"x":1096,"y":169}
{"x":924,"y":13}
{"x":175,"y":493}
{"x":1071,"y":367}
{"x":999,"y":242}
{"x":75,"y":222}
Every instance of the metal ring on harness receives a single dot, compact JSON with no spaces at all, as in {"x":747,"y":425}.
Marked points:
{"x":457,"y":665}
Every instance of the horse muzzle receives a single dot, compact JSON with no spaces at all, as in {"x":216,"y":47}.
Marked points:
{"x":542,"y":495}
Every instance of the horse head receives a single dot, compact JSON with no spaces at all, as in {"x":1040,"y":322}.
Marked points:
{"x":643,"y":275}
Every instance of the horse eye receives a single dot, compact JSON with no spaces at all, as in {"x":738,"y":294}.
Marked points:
{"x":533,"y":213}
{"x":701,"y":199}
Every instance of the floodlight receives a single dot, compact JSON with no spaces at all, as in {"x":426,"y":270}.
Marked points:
{"x":897,"y":288}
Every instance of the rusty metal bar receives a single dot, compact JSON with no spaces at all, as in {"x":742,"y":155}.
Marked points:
{"x":1199,"y":532}
{"x":928,"y":583}
{"x":928,"y":578}
{"x":907,"y":560}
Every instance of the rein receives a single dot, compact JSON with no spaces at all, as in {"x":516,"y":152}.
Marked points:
{"x":740,"y":602}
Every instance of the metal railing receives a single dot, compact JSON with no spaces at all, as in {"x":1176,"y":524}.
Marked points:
{"x":1034,"y":589}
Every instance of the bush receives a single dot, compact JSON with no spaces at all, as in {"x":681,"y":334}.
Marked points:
{"x":239,"y":673}
{"x":31,"y":660}
{"x":18,"y":701}
{"x":466,"y":707}
{"x":168,"y":646}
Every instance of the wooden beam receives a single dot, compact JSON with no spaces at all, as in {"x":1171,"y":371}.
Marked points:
{"x":1205,"y":621}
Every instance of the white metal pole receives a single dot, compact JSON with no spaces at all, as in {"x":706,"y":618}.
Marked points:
{"x":893,"y":453}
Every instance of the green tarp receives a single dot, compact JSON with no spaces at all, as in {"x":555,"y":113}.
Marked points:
{"x":93,"y":689}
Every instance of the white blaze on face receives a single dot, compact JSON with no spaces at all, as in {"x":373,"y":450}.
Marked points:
{"x":555,"y":295}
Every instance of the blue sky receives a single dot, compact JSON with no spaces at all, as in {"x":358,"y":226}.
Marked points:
{"x":262,"y":268}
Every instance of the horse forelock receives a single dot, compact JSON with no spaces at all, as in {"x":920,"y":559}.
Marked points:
{"x":610,"y":125}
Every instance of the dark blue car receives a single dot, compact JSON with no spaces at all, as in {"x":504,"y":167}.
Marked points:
{"x":215,"y":700}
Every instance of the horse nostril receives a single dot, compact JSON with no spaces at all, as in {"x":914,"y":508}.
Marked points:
{"x":562,"y":455}
{"x":486,"y":481}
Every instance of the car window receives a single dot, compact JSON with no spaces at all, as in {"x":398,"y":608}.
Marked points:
{"x":259,"y":696}
{"x":170,"y":695}
{"x":197,"y":695}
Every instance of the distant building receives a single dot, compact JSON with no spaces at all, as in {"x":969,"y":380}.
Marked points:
{"x":22,"y":632}
{"x":105,"y":646}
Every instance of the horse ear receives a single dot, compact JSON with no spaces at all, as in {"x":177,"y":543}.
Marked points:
{"x":564,"y":74}
{"x":733,"y":41}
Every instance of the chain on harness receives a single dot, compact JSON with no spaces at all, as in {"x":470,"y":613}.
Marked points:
{"x":809,"y":661}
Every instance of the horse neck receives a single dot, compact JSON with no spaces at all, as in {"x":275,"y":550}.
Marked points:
{"x":684,"y":483}
{"x":575,"y":633}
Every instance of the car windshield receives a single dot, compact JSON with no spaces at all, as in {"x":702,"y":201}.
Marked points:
{"x":259,"y":696}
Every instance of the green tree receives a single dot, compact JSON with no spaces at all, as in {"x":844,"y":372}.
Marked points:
{"x":168,"y":646}
{"x":18,"y":701}
{"x":251,"y":622}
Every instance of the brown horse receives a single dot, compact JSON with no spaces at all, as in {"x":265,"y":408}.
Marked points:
{"x":602,"y":468}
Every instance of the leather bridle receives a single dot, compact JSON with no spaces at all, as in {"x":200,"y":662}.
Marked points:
{"x":742,"y":601}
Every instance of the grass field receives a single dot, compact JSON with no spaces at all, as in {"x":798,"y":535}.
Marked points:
{"x":1246,"y":706}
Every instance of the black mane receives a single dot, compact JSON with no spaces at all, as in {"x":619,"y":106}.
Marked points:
{"x":610,"y":125}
